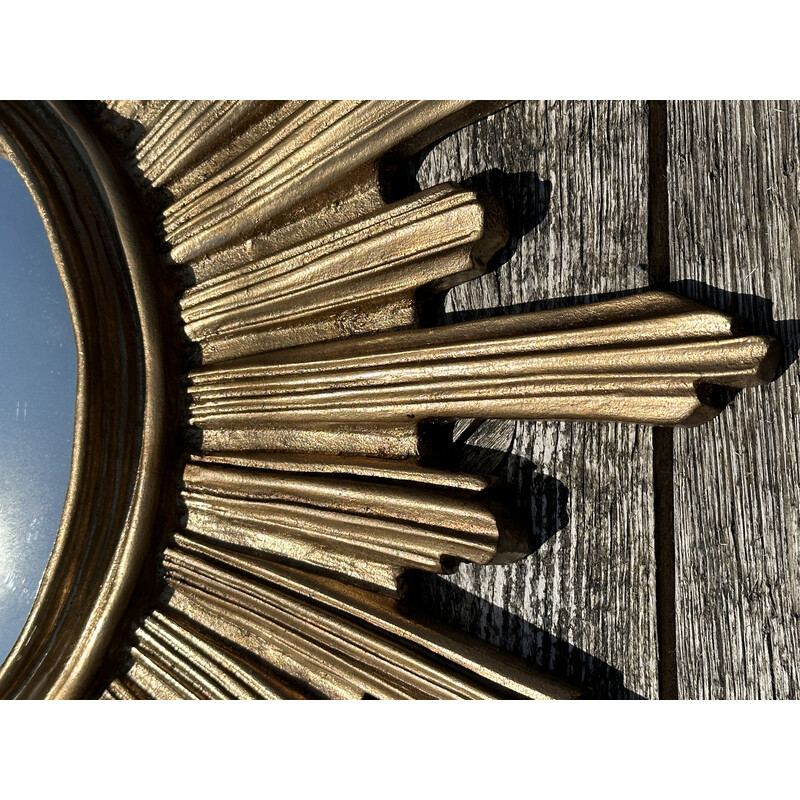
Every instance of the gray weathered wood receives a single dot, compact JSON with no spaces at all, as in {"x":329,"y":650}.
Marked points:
{"x":573,"y":177}
{"x":734,"y":184}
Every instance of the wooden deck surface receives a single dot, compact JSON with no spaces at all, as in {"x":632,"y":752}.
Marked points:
{"x":605,"y":580}
{"x":734,"y":185}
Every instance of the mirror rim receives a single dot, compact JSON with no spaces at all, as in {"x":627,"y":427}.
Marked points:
{"x":121,"y":405}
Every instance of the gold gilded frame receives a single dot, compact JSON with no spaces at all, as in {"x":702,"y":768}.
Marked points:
{"x":261,"y":552}
{"x":118,"y":453}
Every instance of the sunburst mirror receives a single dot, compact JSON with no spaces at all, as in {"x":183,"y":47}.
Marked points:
{"x":259,"y":395}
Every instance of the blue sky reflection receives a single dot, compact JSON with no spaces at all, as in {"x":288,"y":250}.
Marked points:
{"x":38,"y":373}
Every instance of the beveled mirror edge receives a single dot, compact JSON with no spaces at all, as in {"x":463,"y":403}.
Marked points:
{"x":99,"y":251}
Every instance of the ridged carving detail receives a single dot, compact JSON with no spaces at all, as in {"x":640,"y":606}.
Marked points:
{"x":354,"y":280}
{"x":645,"y":358}
{"x":306,"y":495}
{"x":309,"y":149}
{"x":365,"y":530}
{"x":320,"y":636}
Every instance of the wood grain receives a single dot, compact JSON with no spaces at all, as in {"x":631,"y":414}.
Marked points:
{"x":734,"y":184}
{"x":573,"y":179}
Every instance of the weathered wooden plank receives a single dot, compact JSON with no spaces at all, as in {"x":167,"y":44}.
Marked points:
{"x":573,"y":179}
{"x":734,"y":184}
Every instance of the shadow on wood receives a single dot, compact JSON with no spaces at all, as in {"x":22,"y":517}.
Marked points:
{"x":524,"y":197}
{"x":543,"y":503}
{"x":754,"y":311}
{"x":455,"y":606}
{"x":541,"y":500}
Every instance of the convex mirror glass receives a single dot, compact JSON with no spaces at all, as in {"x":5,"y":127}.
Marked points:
{"x":38,"y":373}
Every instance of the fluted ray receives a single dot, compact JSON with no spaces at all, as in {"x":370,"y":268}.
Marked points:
{"x":363,"y":530}
{"x":153,"y":680}
{"x":354,"y":466}
{"x":317,"y":145}
{"x":324,"y":288}
{"x":279,"y":631}
{"x":381,"y":441}
{"x":285,"y":533}
{"x":180,"y":139}
{"x":199,"y":665}
{"x":240,"y":127}
{"x":395,"y":500}
{"x":333,"y":652}
{"x":234,"y":617}
{"x":586,"y":363}
{"x":351,"y":199}
{"x":154,"y":142}
{"x":196,"y":135}
{"x":189,"y":674}
{"x":384,"y":617}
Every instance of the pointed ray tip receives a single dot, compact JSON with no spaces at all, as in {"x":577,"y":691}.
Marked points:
{"x":768,"y":368}
{"x":768,"y":353}
{"x":703,"y":411}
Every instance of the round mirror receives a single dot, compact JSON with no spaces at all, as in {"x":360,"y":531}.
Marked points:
{"x":38,"y":374}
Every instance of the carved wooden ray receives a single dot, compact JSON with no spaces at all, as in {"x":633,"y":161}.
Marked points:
{"x":365,"y":530}
{"x":308,"y":497}
{"x":311,"y":292}
{"x":645,"y":358}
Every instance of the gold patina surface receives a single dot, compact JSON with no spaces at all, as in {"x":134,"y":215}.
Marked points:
{"x":248,"y":484}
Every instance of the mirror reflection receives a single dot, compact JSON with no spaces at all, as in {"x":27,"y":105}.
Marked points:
{"x":38,"y":373}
